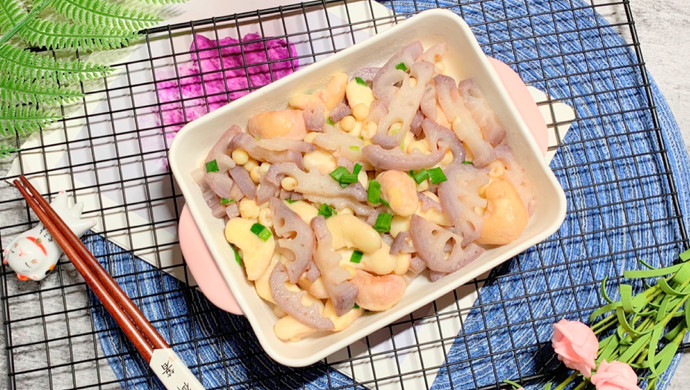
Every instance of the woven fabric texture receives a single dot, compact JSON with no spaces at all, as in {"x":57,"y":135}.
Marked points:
{"x":611,"y":156}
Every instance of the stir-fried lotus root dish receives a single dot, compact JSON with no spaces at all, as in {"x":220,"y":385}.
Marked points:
{"x":335,"y":203}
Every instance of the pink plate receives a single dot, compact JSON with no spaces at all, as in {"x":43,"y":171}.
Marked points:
{"x":204,"y":268}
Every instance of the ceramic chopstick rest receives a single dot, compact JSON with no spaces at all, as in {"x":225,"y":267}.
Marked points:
{"x":34,"y":253}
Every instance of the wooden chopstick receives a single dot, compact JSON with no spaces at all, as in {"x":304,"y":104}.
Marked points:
{"x":133,"y":323}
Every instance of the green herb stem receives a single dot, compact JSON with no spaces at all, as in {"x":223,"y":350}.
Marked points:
{"x":567,"y":381}
{"x":582,"y":385}
{"x":603,"y":324}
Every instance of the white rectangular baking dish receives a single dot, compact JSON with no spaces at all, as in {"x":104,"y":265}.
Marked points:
{"x":463,"y":60}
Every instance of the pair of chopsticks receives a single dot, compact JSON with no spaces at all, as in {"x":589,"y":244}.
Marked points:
{"x":148,"y":342}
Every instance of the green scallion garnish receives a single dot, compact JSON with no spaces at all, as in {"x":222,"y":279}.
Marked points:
{"x":238,"y":258}
{"x":436,"y":175}
{"x":467,"y":162}
{"x":402,"y":67}
{"x":354,"y":148}
{"x":212,"y":166}
{"x":356,"y":257}
{"x":344,"y":177}
{"x":374,"y":192}
{"x":360,"y":81}
{"x":383,"y":222}
{"x":224,"y":201}
{"x":356,"y":169}
{"x":348,"y":179}
{"x":356,"y":306}
{"x":327,"y":211}
{"x":330,"y":122}
{"x":338,"y":173}
{"x":291,"y":201}
{"x":261,"y":231}
{"x":419,"y":176}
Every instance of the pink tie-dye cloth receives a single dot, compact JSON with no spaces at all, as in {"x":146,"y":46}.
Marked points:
{"x":219,"y":72}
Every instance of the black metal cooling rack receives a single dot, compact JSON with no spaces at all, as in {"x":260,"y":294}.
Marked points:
{"x":50,"y":336}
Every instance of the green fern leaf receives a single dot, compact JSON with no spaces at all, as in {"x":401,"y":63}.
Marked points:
{"x":55,"y":36}
{"x":24,"y":120}
{"x":10,"y":14}
{"x":16,"y":20}
{"x":27,"y":92}
{"x":102,"y":13}
{"x":7,"y":150}
{"x":18,"y":64}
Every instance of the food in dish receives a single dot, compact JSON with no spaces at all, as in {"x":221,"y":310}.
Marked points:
{"x":336,"y":202}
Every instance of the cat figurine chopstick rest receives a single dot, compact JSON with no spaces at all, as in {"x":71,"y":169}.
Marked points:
{"x":34,"y":253}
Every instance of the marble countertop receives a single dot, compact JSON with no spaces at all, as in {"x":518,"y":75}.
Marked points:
{"x":662,"y":27}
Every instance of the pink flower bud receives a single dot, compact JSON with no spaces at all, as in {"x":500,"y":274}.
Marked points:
{"x":615,"y":376}
{"x":576,"y":345}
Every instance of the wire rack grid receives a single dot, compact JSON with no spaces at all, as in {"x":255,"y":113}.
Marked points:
{"x":110,"y":153}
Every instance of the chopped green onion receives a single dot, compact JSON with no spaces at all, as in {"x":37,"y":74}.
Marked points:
{"x":356,"y":257}
{"x":348,"y":179}
{"x":338,"y":173}
{"x":467,"y":162}
{"x":436,"y":175}
{"x":224,"y":201}
{"x":330,"y":122}
{"x":361,"y":82}
{"x":327,"y":211}
{"x":383,"y":222}
{"x":356,"y":169}
{"x":356,"y":306}
{"x":354,"y":147}
{"x":212,"y":166}
{"x":419,"y":176}
{"x":374,"y":192}
{"x":261,"y":231}
{"x":291,"y":201}
{"x":238,"y":258}
{"x":402,"y":67}
{"x":344,"y":177}
{"x":383,"y":202}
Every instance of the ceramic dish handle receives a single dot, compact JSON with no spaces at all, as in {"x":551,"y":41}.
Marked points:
{"x":204,"y":268}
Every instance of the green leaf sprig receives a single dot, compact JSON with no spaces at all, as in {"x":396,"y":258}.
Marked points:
{"x":644,"y":330}
{"x":39,"y":69}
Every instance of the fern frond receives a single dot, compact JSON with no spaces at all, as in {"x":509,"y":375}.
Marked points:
{"x":17,"y":64}
{"x":24,"y":120}
{"x":104,"y":14}
{"x":27,"y":92}
{"x":16,"y":24}
{"x":7,"y":150}
{"x":10,"y":14}
{"x":56,"y":35}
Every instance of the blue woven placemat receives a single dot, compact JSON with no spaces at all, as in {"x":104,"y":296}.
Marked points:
{"x":624,"y":169}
